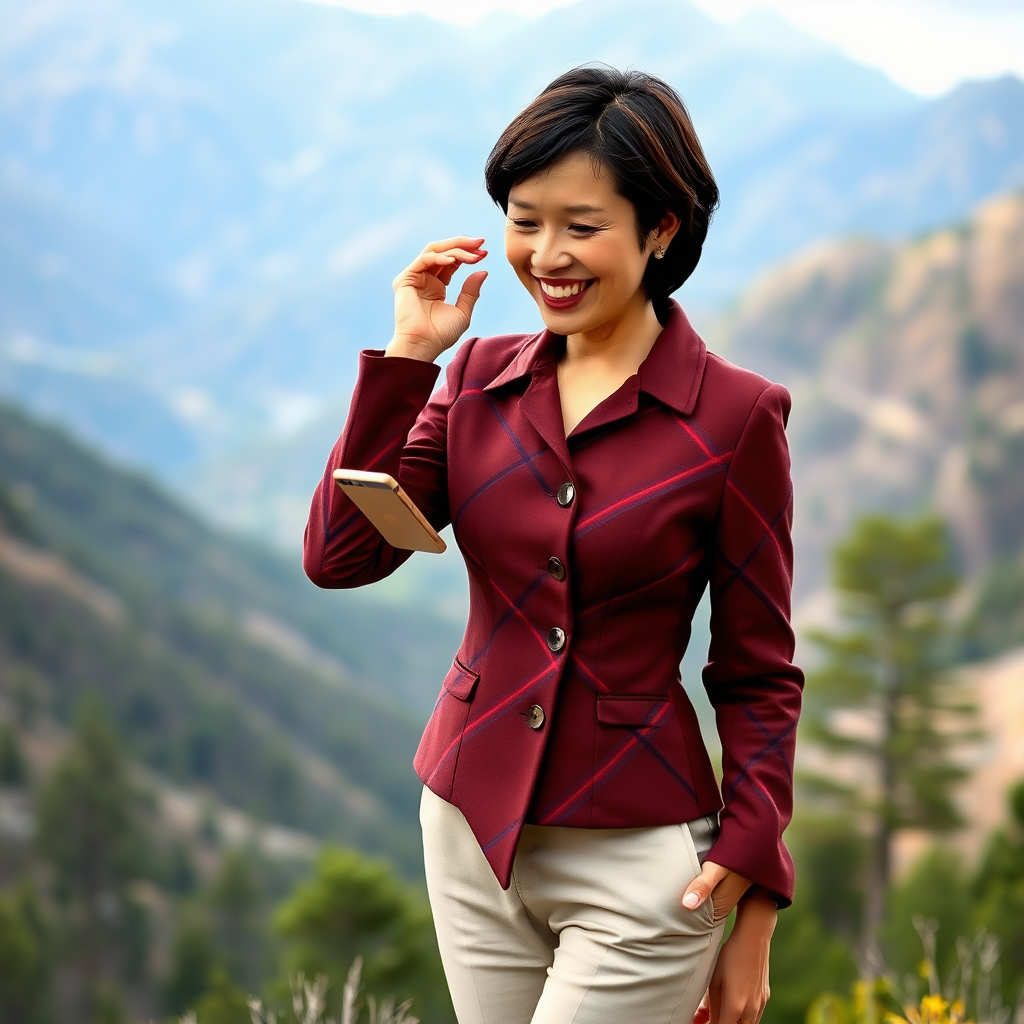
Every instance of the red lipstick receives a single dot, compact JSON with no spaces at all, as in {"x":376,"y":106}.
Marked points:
{"x":563,"y":284}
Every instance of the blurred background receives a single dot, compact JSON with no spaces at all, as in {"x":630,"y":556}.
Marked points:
{"x":205,"y":780}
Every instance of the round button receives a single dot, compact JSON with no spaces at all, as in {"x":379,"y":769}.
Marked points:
{"x":535,"y":717}
{"x":556,"y":568}
{"x":565,"y":494}
{"x":556,"y":638}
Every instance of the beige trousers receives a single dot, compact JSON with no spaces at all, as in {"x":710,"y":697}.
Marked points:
{"x":591,"y":931}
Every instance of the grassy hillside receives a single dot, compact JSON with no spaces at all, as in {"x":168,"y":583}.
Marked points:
{"x":222,"y":666}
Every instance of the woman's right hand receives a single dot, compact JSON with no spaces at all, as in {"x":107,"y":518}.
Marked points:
{"x":425,"y":325}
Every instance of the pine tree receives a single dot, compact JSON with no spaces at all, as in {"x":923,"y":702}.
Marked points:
{"x":13,"y":771}
{"x":192,"y":962}
{"x":894,"y":579}
{"x":223,"y":1003}
{"x":236,"y":903}
{"x":24,"y":964}
{"x":88,"y":830}
{"x":353,"y":907}
{"x":999,"y":889}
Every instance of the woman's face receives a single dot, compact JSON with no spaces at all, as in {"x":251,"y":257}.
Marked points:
{"x":572,"y":240}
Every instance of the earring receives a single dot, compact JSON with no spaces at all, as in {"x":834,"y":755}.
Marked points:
{"x":659,"y":253}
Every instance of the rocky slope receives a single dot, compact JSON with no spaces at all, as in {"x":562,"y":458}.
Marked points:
{"x":906,"y":363}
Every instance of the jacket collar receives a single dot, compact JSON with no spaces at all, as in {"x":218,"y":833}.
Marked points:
{"x":671,"y":373}
{"x":537,"y":351}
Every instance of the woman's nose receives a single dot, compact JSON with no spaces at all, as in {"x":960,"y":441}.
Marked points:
{"x":548,"y":254}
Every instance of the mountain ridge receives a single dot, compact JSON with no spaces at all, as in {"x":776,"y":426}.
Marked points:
{"x":269,"y":164}
{"x":905,"y":359}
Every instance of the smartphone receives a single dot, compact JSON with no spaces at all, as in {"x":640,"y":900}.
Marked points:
{"x":379,"y":497}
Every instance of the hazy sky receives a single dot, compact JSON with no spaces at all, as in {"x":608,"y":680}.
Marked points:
{"x":927,"y":46}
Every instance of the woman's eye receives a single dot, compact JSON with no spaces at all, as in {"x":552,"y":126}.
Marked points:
{"x":582,"y":229}
{"x":524,"y":223}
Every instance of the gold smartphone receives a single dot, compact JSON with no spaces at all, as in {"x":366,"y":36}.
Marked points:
{"x":379,"y":497}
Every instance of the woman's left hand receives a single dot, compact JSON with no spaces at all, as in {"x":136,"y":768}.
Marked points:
{"x":722,"y":886}
{"x":739,"y":991}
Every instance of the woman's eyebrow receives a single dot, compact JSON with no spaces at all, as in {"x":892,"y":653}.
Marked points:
{"x":575,"y":208}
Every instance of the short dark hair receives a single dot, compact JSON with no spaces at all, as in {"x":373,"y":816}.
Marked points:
{"x":637,"y":128}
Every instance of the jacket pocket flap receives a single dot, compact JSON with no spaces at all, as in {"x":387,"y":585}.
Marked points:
{"x":632,"y":709}
{"x":460,"y":681}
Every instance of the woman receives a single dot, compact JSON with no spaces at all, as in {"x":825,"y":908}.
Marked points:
{"x":598,"y":476}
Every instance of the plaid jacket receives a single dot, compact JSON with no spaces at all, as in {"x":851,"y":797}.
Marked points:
{"x":586,"y":559}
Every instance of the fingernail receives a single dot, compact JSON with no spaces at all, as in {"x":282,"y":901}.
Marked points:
{"x":691,"y":900}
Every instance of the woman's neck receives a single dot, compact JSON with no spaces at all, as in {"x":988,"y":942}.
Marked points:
{"x":618,"y":346}
{"x":597,"y":363}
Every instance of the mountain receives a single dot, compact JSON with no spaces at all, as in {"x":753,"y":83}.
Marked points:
{"x":224,"y":669}
{"x":906,"y":363}
{"x":74,"y":300}
{"x":889,"y":176}
{"x":202,"y":205}
{"x":204,"y":202}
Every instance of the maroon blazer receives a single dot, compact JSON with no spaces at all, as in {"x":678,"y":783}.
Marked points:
{"x":586,"y":557}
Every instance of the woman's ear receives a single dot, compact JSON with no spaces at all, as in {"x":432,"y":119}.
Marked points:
{"x":666,"y":230}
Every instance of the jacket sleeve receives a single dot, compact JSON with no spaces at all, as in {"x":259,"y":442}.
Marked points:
{"x":395,"y":427}
{"x":750,"y":677}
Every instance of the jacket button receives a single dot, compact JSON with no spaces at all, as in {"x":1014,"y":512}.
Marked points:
{"x":565,"y":494}
{"x":556,"y":638}
{"x":535,"y":717}
{"x":556,"y":568}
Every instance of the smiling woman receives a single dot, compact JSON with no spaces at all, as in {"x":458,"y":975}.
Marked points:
{"x":648,"y":174}
{"x":572,"y":239}
{"x":598,"y":476}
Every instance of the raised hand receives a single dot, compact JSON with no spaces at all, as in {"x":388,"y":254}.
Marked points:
{"x":425,"y":324}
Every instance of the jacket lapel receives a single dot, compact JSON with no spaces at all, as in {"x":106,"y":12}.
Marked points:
{"x":542,"y":407}
{"x":538,"y":360}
